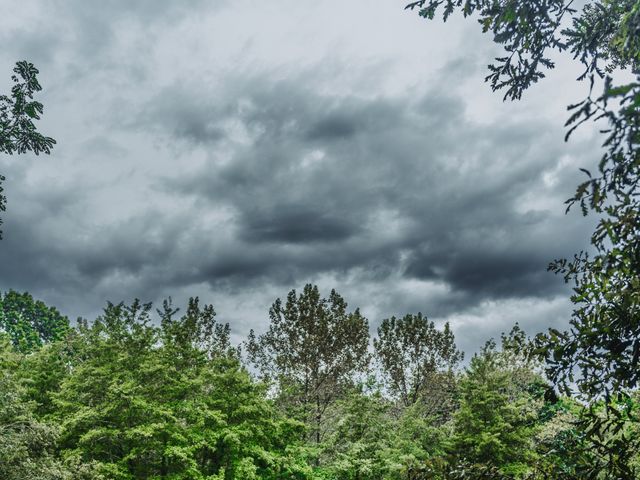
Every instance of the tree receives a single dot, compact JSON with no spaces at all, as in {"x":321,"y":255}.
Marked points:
{"x":312,"y":350}
{"x":18,"y":133}
{"x":196,"y":332}
{"x":600,"y":353}
{"x":416,"y":358}
{"x":27,"y":445}
{"x":362,"y":434}
{"x":143,"y":401}
{"x":420,"y":440}
{"x":497,"y":420}
{"x":566,"y":451}
{"x":30,"y":323}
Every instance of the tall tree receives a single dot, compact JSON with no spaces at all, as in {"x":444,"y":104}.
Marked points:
{"x":18,"y":133}
{"x":496,"y":423}
{"x":416,"y":357}
{"x":30,"y":323}
{"x":600,"y":353}
{"x":312,"y":350}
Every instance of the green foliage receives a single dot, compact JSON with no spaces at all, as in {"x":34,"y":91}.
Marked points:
{"x":526,"y":29}
{"x":415,"y":357}
{"x":370,"y":438}
{"x":30,"y":323}
{"x":496,"y":423}
{"x":18,"y":133}
{"x":560,"y":442}
{"x":359,"y":440}
{"x":27,"y":445}
{"x":129,"y":397}
{"x":604,"y":342}
{"x":43,"y":371}
{"x":605,"y":35}
{"x":600,"y":354}
{"x":313,"y":350}
{"x":150,"y":402}
{"x":420,"y":441}
{"x":17,"y":112}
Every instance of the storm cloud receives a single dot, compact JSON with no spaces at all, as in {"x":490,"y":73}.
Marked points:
{"x":209,"y":151}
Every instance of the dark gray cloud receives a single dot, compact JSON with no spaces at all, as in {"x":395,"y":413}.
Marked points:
{"x":191,"y":162}
{"x":295,"y":224}
{"x":327,"y":183}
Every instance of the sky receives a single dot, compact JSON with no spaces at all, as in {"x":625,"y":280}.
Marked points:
{"x":237,"y":150}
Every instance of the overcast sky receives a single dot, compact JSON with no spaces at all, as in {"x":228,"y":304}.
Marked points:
{"x":237,"y":150}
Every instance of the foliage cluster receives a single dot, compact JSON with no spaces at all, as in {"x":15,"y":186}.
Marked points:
{"x":132,"y":395}
{"x":18,"y":111}
{"x":599,"y":356}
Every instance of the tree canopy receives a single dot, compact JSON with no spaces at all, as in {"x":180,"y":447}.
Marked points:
{"x":30,"y":323}
{"x":415,"y":356}
{"x":137,"y":395}
{"x":313,"y":349}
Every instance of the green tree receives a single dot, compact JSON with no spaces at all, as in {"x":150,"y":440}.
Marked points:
{"x":362,"y":433}
{"x":564,"y":450}
{"x":419,"y":443}
{"x":30,"y":323}
{"x":312,"y":350}
{"x":28,"y":445}
{"x":143,"y":401}
{"x":18,"y":133}
{"x":497,"y":421}
{"x":600,"y":353}
{"x":417,"y":359}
